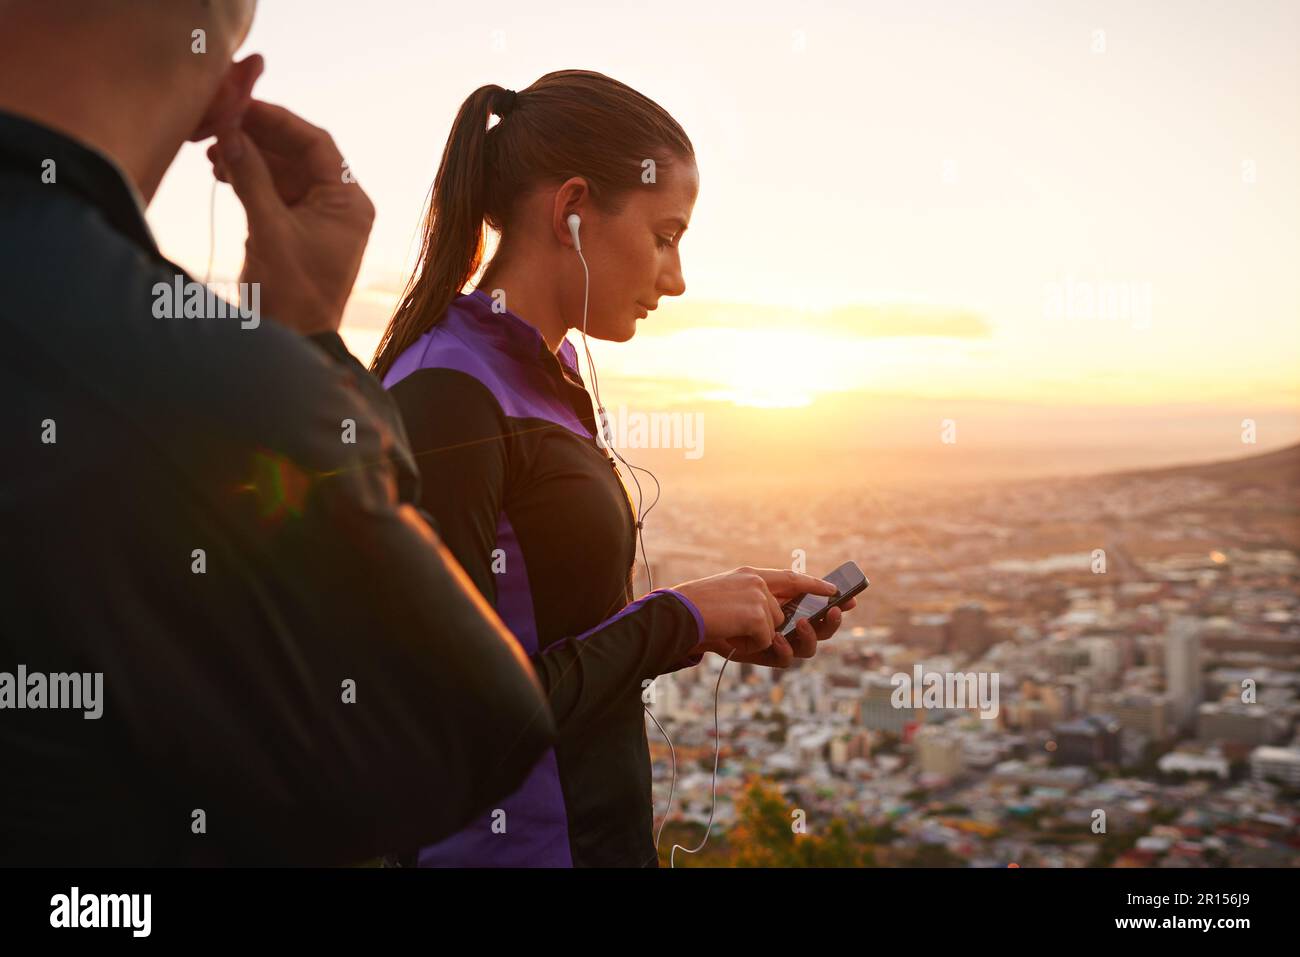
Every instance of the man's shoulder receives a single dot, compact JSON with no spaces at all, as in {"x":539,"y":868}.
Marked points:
{"x":94,"y":308}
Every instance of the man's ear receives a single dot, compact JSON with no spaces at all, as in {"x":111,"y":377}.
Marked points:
{"x":226,"y":110}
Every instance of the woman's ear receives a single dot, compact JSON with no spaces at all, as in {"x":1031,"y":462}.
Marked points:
{"x":226,"y":110}
{"x":570,"y":198}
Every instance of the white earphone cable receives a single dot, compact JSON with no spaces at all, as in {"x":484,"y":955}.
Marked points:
{"x":713,"y":788}
{"x":607,"y":440}
{"x":212,"y":232}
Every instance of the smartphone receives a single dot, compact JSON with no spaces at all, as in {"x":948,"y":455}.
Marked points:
{"x":848,"y":581}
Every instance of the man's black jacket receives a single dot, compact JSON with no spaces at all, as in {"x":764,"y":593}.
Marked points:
{"x":294,"y":669}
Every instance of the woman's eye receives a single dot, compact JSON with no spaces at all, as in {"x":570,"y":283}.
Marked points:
{"x":663,"y":242}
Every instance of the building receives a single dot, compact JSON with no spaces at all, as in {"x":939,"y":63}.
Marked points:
{"x":928,"y":633}
{"x":1183,"y":670}
{"x":938,"y":752}
{"x":1250,"y":724}
{"x":1105,"y":661}
{"x":849,"y":746}
{"x":1031,"y":715}
{"x":1276,"y":764}
{"x":1189,"y":763}
{"x":1145,"y":714}
{"x":1065,"y":658}
{"x":878,"y":711}
{"x":1093,"y":739}
{"x":968,"y":629}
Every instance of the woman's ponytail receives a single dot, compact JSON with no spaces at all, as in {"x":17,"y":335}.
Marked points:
{"x":451,"y":250}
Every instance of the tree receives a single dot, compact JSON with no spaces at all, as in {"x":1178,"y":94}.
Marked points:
{"x":764,"y":835}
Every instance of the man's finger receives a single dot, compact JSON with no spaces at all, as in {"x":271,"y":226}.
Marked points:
{"x":290,"y":137}
{"x":288,"y":179}
{"x":247,"y":173}
{"x":218,"y":168}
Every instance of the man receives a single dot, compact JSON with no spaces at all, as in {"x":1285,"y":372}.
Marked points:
{"x":223,"y":637}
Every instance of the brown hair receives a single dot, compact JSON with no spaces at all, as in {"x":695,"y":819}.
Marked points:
{"x":569,"y":123}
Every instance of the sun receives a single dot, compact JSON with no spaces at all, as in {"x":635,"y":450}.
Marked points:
{"x":762,"y":369}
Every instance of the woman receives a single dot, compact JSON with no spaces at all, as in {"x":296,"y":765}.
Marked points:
{"x":513,"y":477}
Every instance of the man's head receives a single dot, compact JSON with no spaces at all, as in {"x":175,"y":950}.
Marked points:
{"x":135,"y":78}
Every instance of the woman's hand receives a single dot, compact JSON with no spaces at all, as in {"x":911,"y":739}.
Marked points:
{"x":742,"y":610}
{"x":802,"y":643}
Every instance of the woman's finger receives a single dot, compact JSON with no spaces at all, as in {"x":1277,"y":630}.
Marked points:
{"x":830,"y":624}
{"x":784,"y":583}
{"x":782,"y":653}
{"x":774,"y":611}
{"x":804,"y":640}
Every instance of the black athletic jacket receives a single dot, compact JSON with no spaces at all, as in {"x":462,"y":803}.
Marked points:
{"x":534,"y":510}
{"x":180,"y":510}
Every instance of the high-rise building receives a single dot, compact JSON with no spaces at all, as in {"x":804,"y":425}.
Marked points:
{"x":878,"y":711}
{"x":968,"y":629}
{"x":1105,"y":660}
{"x":1183,"y":669}
{"x":938,"y":751}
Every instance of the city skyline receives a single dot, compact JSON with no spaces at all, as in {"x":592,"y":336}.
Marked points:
{"x":1141,"y":632}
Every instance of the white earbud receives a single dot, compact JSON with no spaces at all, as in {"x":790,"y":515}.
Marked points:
{"x":575,"y":221}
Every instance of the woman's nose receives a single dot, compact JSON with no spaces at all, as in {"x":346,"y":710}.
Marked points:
{"x":672,"y":282}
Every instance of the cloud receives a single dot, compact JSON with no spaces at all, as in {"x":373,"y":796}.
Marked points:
{"x":372,"y":306}
{"x":904,"y":321}
{"x":876,"y":321}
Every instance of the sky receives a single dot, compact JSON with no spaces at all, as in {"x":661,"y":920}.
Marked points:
{"x":1012,"y":207}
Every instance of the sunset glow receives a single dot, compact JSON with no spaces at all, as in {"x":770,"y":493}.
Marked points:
{"x":867,"y":226}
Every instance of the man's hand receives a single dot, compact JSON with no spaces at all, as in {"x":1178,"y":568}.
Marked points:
{"x":307,"y":227}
